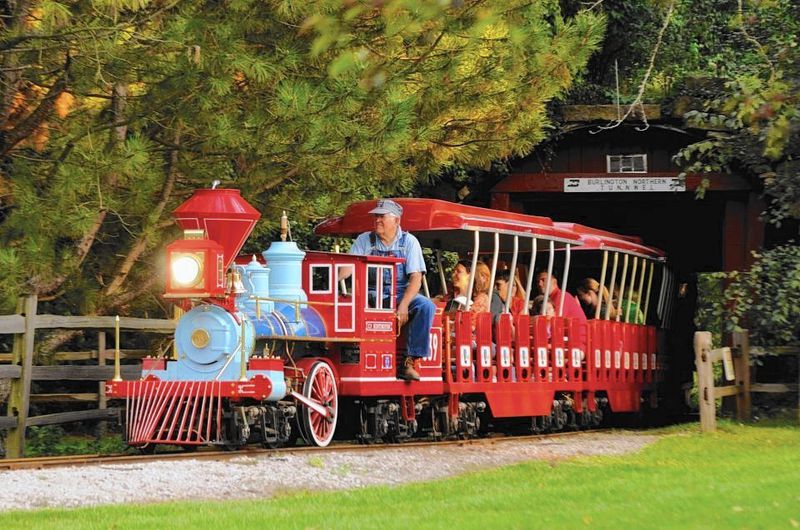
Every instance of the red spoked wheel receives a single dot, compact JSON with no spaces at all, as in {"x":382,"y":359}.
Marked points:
{"x":320,"y":387}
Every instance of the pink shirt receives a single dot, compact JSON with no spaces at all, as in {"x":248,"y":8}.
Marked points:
{"x":572,"y":309}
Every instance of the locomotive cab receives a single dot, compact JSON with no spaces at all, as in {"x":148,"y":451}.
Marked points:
{"x":357,"y":296}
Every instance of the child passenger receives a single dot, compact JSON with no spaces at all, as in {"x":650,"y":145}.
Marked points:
{"x":502,"y":286}
{"x":550,"y":311}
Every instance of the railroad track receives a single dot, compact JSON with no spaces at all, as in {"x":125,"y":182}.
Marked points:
{"x":213,"y":454}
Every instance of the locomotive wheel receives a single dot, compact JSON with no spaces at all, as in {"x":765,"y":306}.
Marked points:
{"x":320,"y":386}
{"x":234,"y":433}
{"x":364,"y":436}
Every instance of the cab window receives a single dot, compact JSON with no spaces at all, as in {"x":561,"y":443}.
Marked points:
{"x":320,"y":278}
{"x":379,"y":287}
{"x":345,"y":284}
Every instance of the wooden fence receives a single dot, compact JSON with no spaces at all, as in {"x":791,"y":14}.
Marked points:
{"x":21,"y":370}
{"x":736,"y":359}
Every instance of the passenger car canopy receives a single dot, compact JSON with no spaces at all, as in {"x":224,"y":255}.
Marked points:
{"x":596,"y":239}
{"x":450,"y":226}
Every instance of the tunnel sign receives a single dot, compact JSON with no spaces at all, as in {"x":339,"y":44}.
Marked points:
{"x":623,"y":184}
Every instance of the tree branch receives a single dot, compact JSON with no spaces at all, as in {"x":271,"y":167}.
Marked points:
{"x":144,"y":238}
{"x":35,"y":119}
{"x":752,"y":40}
{"x":643,"y":85}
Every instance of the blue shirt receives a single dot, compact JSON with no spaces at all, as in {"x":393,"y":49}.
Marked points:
{"x":412,"y":252}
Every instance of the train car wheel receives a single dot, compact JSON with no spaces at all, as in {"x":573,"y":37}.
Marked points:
{"x":320,"y":386}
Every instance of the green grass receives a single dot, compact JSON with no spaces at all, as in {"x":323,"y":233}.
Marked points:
{"x":739,"y":477}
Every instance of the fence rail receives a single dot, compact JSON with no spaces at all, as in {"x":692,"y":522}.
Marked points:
{"x":738,"y":355}
{"x":22,"y":371}
{"x":91,"y":355}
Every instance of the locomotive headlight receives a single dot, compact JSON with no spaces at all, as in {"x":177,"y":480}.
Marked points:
{"x":193,"y":269}
{"x":187,"y":269}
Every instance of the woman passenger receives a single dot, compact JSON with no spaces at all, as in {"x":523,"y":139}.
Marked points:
{"x":460,"y":281}
{"x":589,"y":296}
{"x":480,"y":296}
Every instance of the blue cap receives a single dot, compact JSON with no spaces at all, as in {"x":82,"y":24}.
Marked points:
{"x":387,"y":206}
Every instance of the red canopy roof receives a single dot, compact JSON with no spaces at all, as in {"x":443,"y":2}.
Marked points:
{"x":596,"y":239}
{"x":449,"y":226}
{"x":441,"y":224}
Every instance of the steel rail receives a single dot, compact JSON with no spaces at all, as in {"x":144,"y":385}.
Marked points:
{"x":210,"y":453}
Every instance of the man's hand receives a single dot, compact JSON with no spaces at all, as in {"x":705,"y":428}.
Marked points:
{"x":402,"y":314}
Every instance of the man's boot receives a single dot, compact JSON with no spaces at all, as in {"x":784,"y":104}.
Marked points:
{"x":407,"y":370}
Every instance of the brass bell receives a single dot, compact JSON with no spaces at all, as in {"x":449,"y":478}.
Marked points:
{"x":234,"y":283}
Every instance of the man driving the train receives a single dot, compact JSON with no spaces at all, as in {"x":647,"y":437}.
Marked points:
{"x":389,"y":239}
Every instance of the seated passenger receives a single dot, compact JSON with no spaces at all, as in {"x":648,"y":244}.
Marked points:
{"x":460,"y":284}
{"x":480,"y":294}
{"x":550,"y":311}
{"x":537,"y":303}
{"x":500,"y":295}
{"x":572,"y":309}
{"x":589,"y":296}
{"x":480,"y":288}
{"x":388,"y":239}
{"x":629,"y":310}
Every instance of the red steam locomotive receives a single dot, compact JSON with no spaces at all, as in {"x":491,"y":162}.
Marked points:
{"x":292,"y":345}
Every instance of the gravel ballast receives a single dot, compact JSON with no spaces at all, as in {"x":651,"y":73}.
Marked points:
{"x":264,"y":475}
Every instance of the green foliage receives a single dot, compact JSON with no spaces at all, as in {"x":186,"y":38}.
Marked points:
{"x":631,"y":28}
{"x":42,"y":441}
{"x":738,"y":68}
{"x":710,"y":314}
{"x":756,"y":112}
{"x":305,"y":106}
{"x":761,"y":299}
{"x":51,"y":440}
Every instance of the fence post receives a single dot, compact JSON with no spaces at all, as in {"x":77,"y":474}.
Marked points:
{"x":102,"y":401}
{"x":20,"y":396}
{"x":741,"y":344}
{"x":705,"y":381}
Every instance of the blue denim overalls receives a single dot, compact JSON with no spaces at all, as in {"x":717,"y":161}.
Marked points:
{"x":420,"y":309}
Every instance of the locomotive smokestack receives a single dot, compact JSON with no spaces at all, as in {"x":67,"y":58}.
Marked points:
{"x":225,"y":216}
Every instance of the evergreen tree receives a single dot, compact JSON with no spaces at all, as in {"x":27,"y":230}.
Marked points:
{"x":115,"y":110}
